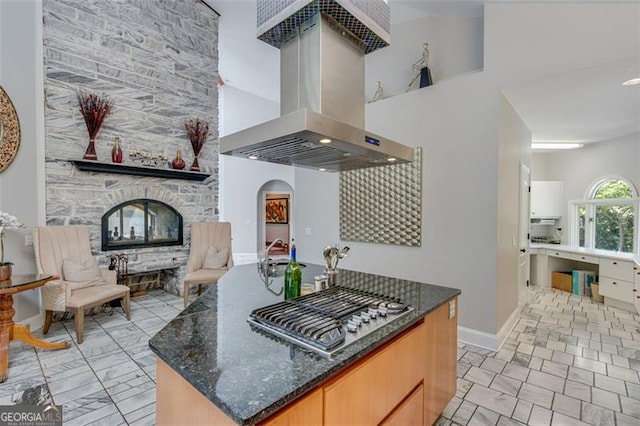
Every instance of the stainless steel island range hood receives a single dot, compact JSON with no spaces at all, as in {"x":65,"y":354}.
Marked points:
{"x":322,"y":47}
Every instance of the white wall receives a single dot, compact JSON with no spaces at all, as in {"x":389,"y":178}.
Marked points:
{"x":457,"y":122}
{"x":455,"y":47}
{"x":244,"y":61}
{"x":459,"y":139}
{"x":241,"y":179}
{"x":240,"y":109}
{"x":21,"y":185}
{"x":316,"y":210}
{"x":578,"y":169}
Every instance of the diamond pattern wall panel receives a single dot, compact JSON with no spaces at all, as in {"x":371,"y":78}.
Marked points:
{"x":383,"y":204}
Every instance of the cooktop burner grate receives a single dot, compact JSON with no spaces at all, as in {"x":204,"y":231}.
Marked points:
{"x":316,"y":321}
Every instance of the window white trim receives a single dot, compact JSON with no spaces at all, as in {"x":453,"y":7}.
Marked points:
{"x":591,"y":191}
{"x":590,"y":211}
{"x":574,"y":234}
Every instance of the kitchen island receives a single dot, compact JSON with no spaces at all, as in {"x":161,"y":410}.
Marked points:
{"x":214,"y":367}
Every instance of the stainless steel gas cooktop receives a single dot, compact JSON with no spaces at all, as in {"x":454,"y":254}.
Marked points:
{"x":329,"y":320}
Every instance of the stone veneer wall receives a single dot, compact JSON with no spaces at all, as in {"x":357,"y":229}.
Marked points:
{"x":158,"y":61}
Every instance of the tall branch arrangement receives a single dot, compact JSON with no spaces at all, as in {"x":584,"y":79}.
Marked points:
{"x":198,"y":131}
{"x":94,"y":109}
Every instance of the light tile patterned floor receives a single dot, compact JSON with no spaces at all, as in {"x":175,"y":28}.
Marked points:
{"x":567,"y":362}
{"x":109,"y":379}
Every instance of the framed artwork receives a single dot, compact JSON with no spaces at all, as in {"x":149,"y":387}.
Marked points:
{"x":277,"y":210}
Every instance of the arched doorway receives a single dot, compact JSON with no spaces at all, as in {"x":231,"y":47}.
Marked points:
{"x":275,"y":219}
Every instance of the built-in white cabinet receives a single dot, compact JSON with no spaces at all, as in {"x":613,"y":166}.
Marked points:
{"x":585,"y":258}
{"x":617,"y":279}
{"x":636,"y":292}
{"x":546,"y":199}
{"x":559,"y":253}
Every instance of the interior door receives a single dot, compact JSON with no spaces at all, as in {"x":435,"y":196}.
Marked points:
{"x":524,"y":268}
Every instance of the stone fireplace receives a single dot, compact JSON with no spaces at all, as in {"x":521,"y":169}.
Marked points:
{"x":141,"y":223}
{"x":157,"y":61}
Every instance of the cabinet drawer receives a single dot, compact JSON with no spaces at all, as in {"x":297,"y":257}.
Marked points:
{"x":410,"y":412}
{"x":617,"y":269}
{"x":616,"y":289}
{"x":304,"y":411}
{"x":370,"y":391}
{"x":558,"y":253}
{"x":637,"y":274}
{"x":585,"y":258}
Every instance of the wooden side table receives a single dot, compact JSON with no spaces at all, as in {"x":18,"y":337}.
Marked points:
{"x":8,"y":329}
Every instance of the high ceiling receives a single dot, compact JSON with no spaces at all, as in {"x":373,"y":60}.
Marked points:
{"x":585,"y":106}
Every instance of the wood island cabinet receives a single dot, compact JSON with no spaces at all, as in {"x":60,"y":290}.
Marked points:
{"x":368,"y":392}
{"x":441,"y":360}
{"x":410,"y":412}
{"x":408,"y":381}
{"x":307,"y":410}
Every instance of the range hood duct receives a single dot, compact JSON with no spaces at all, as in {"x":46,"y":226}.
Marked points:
{"x":321,"y":98}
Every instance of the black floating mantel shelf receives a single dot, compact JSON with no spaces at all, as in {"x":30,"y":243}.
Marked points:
{"x":127,"y":169}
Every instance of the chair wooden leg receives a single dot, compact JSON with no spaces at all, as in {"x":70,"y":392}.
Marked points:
{"x":79,"y":320}
{"x":186,"y":294}
{"x":48,"y":315}
{"x":126,"y":305}
{"x":199,"y":289}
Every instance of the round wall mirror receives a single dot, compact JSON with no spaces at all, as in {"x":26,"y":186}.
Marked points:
{"x":9,"y":131}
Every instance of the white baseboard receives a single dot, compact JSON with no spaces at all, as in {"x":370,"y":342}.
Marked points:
{"x":244,"y":258}
{"x":485,"y":340}
{"x":619,"y":304}
{"x":508,"y":325}
{"x":33,"y":323}
{"x":493,"y":342}
{"x":478,"y":338}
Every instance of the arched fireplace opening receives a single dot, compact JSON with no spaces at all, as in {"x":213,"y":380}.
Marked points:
{"x":141,"y":223}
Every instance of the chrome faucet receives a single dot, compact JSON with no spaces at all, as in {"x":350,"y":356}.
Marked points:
{"x":263,"y":267}
{"x":331,"y":256}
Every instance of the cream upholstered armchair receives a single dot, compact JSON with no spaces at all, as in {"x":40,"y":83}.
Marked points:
{"x":65,"y":251}
{"x":210,"y":256}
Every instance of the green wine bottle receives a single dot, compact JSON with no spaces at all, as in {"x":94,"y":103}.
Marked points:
{"x":292,"y":276}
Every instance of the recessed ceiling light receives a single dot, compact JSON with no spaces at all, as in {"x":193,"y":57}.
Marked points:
{"x":632,"y":82}
{"x":325,"y":140}
{"x":391,"y":159}
{"x":253,"y":157}
{"x":556,"y":145}
{"x":322,"y":169}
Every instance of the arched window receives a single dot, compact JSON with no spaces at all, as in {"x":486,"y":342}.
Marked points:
{"x":607,"y":219}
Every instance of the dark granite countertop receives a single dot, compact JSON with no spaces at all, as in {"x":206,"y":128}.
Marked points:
{"x":250,"y":375}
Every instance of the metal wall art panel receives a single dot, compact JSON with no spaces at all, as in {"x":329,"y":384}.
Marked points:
{"x":383,"y":204}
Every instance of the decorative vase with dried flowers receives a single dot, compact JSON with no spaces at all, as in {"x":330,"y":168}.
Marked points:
{"x":7,"y":221}
{"x":198,"y":131}
{"x":94,"y":109}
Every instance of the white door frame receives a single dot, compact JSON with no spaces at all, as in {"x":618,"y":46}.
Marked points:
{"x":524,"y":233}
{"x":263,"y":216}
